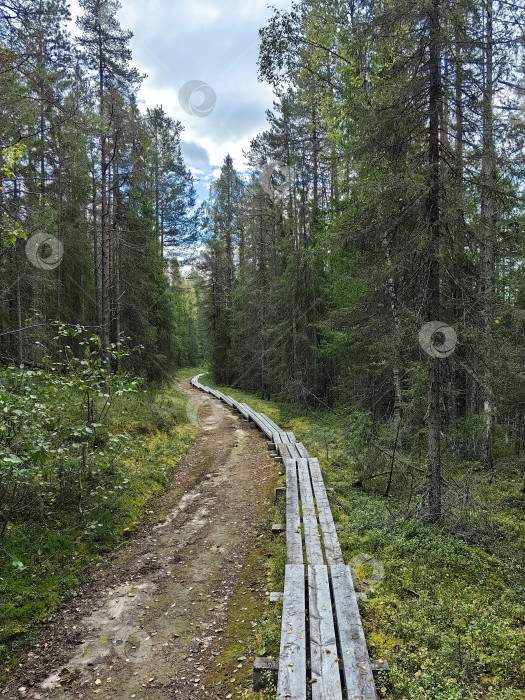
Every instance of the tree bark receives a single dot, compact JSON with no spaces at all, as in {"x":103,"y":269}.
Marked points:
{"x":487,"y":225}
{"x":434,"y":305}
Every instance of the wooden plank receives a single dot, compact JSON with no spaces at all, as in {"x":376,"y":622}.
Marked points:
{"x":332,"y":547}
{"x":283,"y":437}
{"x":312,"y":539}
{"x":260,"y":422}
{"x":265,"y":426}
{"x":242,"y":409}
{"x":291,"y":437}
{"x":295,"y":450}
{"x":291,"y":680}
{"x":271,"y":422}
{"x":302,"y":450}
{"x":357,"y":671}
{"x":324,"y":662}
{"x":294,"y":540}
{"x":234,"y":404}
{"x":283,"y":449}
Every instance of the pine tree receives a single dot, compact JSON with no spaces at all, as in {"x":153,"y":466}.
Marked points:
{"x":108,"y":56}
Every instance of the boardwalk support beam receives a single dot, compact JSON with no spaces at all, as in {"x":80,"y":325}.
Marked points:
{"x":264,"y":672}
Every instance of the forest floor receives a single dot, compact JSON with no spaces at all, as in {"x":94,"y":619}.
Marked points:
{"x":154,"y":623}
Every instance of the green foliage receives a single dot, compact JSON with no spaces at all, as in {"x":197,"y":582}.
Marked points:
{"x":10,"y":231}
{"x":55,"y":448}
{"x":10,"y":157}
{"x":82,"y":452}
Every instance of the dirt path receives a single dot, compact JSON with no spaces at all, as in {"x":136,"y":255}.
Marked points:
{"x":150,"y":626}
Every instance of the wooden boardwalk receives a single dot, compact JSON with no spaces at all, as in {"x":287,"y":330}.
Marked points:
{"x":323,"y":646}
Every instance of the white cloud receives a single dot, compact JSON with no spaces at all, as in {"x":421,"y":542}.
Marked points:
{"x":216,"y":42}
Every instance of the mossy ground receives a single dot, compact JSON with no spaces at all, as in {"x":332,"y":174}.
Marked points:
{"x":448,"y":608}
{"x":43,"y":561}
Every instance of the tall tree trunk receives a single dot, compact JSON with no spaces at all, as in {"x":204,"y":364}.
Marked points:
{"x":96,"y":252}
{"x":487,"y":226}
{"x":20,"y":333}
{"x":104,"y":233}
{"x":159,"y":241}
{"x":434,"y":302}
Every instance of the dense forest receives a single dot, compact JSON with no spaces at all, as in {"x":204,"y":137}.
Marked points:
{"x":93,"y":194}
{"x":375,"y":260}
{"x":362,"y":277}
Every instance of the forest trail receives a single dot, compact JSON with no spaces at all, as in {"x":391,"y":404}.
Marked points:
{"x":150,"y":625}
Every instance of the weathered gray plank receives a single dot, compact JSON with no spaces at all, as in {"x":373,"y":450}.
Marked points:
{"x":302,"y":450}
{"x":332,"y":547}
{"x":291,"y":680}
{"x":291,"y":437}
{"x":312,"y":539}
{"x":265,"y":426}
{"x":242,"y":408}
{"x":326,"y":679}
{"x":283,"y":449}
{"x":357,"y":671}
{"x":292,"y":446}
{"x":248,"y":411}
{"x":271,"y":422}
{"x":294,"y":540}
{"x":259,"y":421}
{"x":234,"y":404}
{"x":283,"y":437}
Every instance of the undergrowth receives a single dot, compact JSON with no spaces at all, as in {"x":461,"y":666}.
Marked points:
{"x":58,"y":535}
{"x":445,"y":606}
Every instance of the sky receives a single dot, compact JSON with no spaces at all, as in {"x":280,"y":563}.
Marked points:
{"x":215,"y":42}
